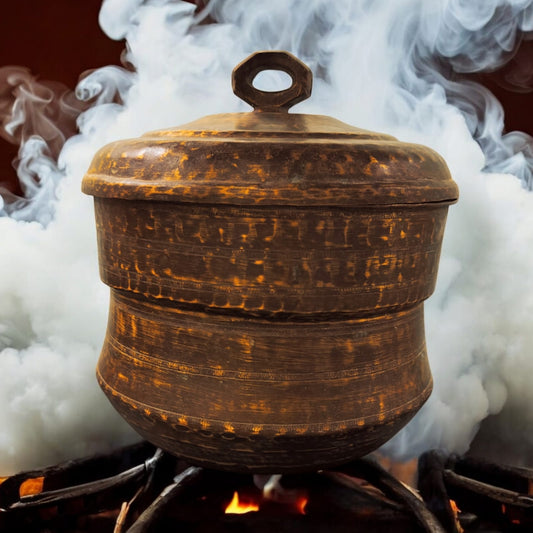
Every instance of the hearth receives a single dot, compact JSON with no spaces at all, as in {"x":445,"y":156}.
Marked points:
{"x":141,"y":489}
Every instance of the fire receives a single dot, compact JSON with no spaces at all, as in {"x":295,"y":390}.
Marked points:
{"x":301,"y":504}
{"x":31,"y":486}
{"x":456,"y":512}
{"x":508,"y":512}
{"x":238,"y":507}
{"x":454,"y":507}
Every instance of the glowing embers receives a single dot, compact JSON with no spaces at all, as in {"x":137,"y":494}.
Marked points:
{"x":469,"y":493}
{"x":31,"y":486}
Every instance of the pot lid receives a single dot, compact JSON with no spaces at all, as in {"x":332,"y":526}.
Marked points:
{"x":269,"y":156}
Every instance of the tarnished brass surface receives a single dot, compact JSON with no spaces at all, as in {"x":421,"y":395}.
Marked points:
{"x":272,"y":260}
{"x":263,"y":395}
{"x":267,"y":273}
{"x":270,"y":159}
{"x":245,"y":72}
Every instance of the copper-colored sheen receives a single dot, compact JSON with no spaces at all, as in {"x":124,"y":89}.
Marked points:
{"x":267,"y":273}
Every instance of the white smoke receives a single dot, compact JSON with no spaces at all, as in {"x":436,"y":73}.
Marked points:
{"x":381,"y":65}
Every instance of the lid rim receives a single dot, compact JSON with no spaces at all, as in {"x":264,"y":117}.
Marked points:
{"x":356,"y":196}
{"x":336,"y":165}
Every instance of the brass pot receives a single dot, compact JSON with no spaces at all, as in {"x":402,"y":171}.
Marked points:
{"x":267,"y":273}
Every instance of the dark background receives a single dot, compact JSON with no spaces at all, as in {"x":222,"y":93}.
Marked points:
{"x":57,"y":40}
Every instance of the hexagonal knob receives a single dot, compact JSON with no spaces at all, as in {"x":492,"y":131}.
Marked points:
{"x":280,"y":101}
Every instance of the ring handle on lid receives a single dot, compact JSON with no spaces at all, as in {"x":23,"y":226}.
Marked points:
{"x":280,"y":101}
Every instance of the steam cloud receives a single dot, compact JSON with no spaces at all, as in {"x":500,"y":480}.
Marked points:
{"x":381,"y":65}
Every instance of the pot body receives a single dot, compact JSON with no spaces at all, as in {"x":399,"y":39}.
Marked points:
{"x":268,"y":272}
{"x":272,"y":261}
{"x":266,"y":339}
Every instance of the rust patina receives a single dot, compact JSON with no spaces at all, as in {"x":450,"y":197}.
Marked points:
{"x":268,"y":272}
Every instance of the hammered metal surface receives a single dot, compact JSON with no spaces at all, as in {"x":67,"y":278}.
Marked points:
{"x":268,"y":272}
{"x":249,"y":394}
{"x":271,"y":260}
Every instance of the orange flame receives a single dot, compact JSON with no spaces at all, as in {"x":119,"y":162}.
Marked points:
{"x":238,"y":507}
{"x":454,"y":507}
{"x":301,"y":504}
{"x":456,"y":512}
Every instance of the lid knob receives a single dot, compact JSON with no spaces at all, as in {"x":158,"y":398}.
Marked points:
{"x":280,"y":101}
